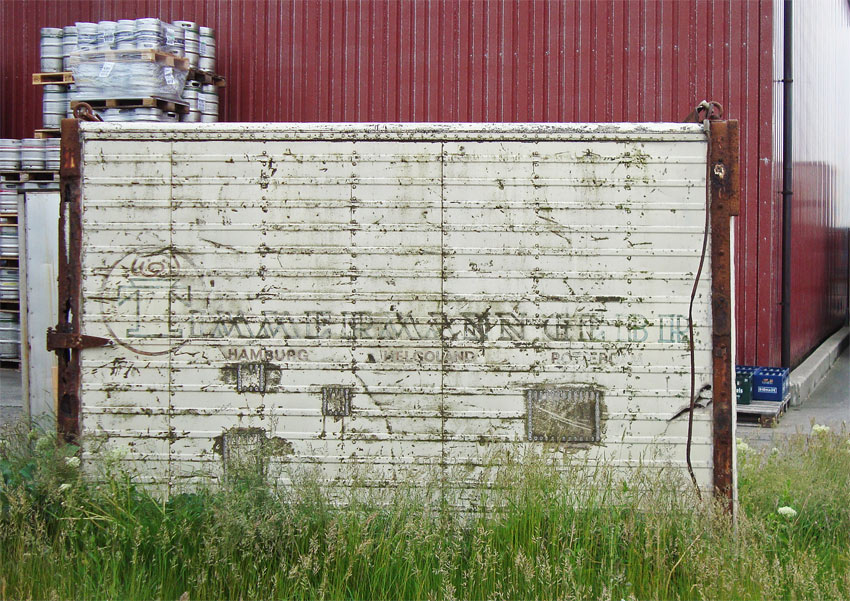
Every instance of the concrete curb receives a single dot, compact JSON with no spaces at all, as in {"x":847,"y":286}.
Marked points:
{"x":805,"y":378}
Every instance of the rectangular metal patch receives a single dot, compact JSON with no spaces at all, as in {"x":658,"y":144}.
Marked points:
{"x":242,"y":451}
{"x":563,"y":414}
{"x":251,"y":377}
{"x":336,"y":401}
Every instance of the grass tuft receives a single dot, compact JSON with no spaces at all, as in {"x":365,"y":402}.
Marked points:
{"x":539,"y":532}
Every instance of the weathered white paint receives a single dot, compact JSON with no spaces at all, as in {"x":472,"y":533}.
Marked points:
{"x":439,"y":271}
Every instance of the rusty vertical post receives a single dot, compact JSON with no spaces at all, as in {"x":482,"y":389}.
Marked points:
{"x":724,"y":188}
{"x":70,"y":235}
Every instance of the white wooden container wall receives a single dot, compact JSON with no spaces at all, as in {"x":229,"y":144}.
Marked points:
{"x":435,"y":272}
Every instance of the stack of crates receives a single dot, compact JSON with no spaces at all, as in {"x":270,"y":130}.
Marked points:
{"x":760,"y":383}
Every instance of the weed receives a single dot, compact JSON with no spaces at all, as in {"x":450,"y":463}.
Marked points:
{"x":540,"y":531}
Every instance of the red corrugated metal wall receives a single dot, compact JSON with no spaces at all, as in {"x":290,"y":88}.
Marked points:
{"x":478,"y":60}
{"x":821,"y":150}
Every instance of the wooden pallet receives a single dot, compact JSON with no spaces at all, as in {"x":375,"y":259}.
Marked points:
{"x":52,"y":79}
{"x":143,"y":54}
{"x":205,"y":77}
{"x":763,"y":413}
{"x":43,"y":134}
{"x":135,"y":103}
{"x":29,"y":176}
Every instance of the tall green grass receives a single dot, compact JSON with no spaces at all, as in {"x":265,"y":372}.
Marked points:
{"x":540,"y":533}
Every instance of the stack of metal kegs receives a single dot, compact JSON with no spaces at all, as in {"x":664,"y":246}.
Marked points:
{"x":191,"y":40}
{"x":8,"y":278}
{"x":54,"y":105}
{"x":10,"y":328}
{"x":55,"y":100}
{"x":203,"y":102}
{"x":10,"y":160}
{"x":175,"y":40}
{"x":8,"y":197}
{"x":10,"y":154}
{"x":201,"y":52}
{"x":18,"y":156}
{"x":8,"y":250}
{"x":206,"y":48}
{"x":32,"y":154}
{"x":106,"y":67}
{"x":29,"y":154}
{"x":63,"y":49}
{"x":51,"y":49}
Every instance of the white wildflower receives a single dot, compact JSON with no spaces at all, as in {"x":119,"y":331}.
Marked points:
{"x":64,"y":486}
{"x":72,"y":461}
{"x":43,"y":444}
{"x":742,"y":446}
{"x":788,"y":512}
{"x":819,"y":429}
{"x":774,"y":451}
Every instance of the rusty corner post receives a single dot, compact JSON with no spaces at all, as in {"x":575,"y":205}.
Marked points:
{"x":70,"y":236}
{"x":724,"y":188}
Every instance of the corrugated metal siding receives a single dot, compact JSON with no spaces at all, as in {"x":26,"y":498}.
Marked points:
{"x":567,"y":61}
{"x":821,"y":155}
{"x":439,"y":273}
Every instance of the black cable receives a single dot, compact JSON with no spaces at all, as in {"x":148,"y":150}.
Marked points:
{"x":691,"y":328}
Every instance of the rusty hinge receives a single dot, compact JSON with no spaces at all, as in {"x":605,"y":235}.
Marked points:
{"x":64,"y":340}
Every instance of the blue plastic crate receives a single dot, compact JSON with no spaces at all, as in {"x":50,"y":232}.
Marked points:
{"x":746,"y":369}
{"x":770,"y":384}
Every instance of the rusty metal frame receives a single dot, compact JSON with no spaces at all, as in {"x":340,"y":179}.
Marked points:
{"x":70,"y":263}
{"x":725,"y":191}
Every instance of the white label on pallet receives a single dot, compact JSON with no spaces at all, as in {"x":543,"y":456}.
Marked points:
{"x":106,"y":69}
{"x":201,"y":105}
{"x":169,"y":75}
